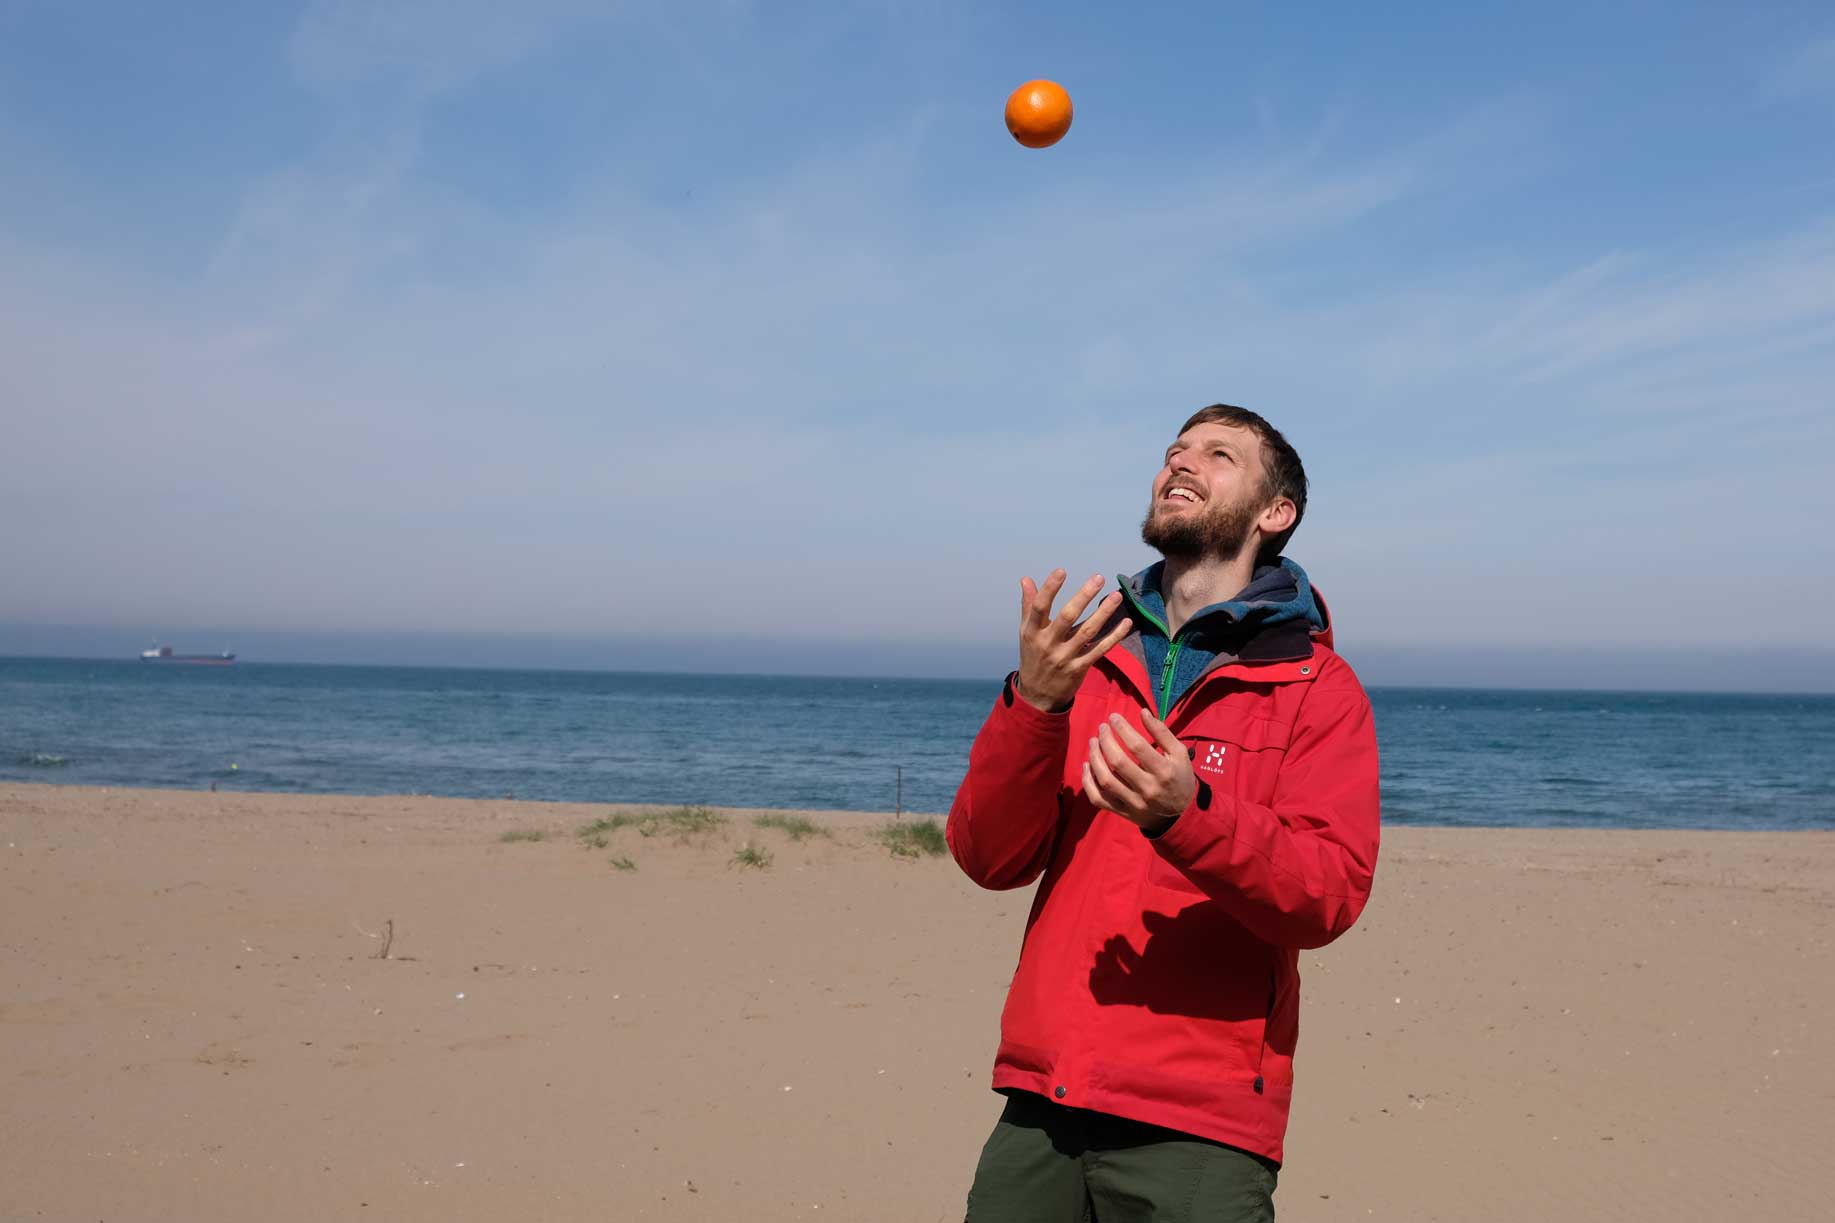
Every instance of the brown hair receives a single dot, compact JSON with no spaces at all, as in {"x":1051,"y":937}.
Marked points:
{"x":1282,"y":473}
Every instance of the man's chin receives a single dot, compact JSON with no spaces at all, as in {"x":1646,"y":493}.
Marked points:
{"x":1189,"y":537}
{"x":1171,"y":542}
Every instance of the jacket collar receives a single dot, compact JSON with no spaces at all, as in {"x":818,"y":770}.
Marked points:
{"x":1128,"y":664}
{"x":1273,"y":635}
{"x":1273,"y":619}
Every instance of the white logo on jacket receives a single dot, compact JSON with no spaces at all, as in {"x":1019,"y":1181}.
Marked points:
{"x":1212,"y":760}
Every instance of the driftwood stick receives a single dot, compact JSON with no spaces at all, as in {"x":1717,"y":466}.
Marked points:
{"x":388,"y":939}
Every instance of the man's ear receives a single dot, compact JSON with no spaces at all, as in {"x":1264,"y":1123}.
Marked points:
{"x":1280,"y":514}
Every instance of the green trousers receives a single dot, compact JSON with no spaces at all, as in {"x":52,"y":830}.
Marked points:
{"x":1045,"y":1163}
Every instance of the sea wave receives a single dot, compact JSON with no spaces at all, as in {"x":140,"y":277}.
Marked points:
{"x":43,"y":760}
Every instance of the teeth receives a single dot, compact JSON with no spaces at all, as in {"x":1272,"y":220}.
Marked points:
{"x":1184,"y":493}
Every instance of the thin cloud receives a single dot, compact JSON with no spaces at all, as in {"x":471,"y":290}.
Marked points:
{"x":378,"y":401}
{"x":1808,"y":72}
{"x":427,"y":46}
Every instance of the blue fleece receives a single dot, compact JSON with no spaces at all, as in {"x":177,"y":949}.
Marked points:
{"x":1276,"y":594}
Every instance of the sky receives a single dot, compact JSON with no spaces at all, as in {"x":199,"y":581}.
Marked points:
{"x":742,"y":336}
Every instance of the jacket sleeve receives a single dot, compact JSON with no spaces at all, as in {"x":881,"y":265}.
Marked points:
{"x":1297,"y":873}
{"x":1007,"y":810}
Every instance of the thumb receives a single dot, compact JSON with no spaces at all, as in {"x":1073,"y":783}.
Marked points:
{"x":1162,"y":734}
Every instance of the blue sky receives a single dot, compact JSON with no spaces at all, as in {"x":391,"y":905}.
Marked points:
{"x":747,"y":327}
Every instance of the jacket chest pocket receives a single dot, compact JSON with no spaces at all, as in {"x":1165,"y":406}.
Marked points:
{"x":1238,"y":755}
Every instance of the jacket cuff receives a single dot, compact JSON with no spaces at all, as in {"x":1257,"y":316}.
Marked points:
{"x":1207,"y":821}
{"x":1026,"y":711}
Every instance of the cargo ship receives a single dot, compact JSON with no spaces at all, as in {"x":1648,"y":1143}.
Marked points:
{"x":163,"y":653}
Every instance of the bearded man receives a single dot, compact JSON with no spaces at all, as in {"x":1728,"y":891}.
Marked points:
{"x":1190,"y":773}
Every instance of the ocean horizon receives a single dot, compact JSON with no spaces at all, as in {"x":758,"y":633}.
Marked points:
{"x":1515,"y":757}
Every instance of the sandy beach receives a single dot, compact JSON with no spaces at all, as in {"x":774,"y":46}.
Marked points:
{"x":197,"y":1021}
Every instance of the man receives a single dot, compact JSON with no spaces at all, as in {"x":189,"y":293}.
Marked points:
{"x":1191,"y":774}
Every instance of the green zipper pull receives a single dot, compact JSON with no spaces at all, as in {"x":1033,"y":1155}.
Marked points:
{"x":1166,"y":670}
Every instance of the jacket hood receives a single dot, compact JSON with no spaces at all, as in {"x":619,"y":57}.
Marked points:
{"x":1277,"y":595}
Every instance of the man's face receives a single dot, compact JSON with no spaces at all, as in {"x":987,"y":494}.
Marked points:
{"x":1208,"y":494}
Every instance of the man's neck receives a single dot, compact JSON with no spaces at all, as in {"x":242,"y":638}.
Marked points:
{"x":1189,"y":585}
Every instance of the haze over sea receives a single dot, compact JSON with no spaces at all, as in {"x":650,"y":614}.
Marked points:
{"x":1450,"y":756}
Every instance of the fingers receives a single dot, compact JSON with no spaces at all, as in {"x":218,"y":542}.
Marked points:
{"x":1067,"y":618}
{"x":1136,"y":774}
{"x":1056,"y":652}
{"x":1035,"y":601}
{"x":1117,"y":790}
{"x":1113,"y":637}
{"x":1105,"y":791}
{"x":1096,"y":619}
{"x":1046,"y":596}
{"x":1137,"y":745}
{"x":1092,"y":790}
{"x":1162,"y":734}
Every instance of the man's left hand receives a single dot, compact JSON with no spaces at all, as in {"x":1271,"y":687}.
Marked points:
{"x":1147,"y":781}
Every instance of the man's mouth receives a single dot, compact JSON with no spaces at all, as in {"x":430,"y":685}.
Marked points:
{"x":1178,"y":492}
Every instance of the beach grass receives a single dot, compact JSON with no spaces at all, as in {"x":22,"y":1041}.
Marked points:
{"x":623,"y":863}
{"x":796,"y":827}
{"x":682,"y":823}
{"x":753,"y":856}
{"x":913,"y":838}
{"x":523,"y":834}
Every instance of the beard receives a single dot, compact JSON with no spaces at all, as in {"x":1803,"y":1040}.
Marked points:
{"x":1220,"y":531}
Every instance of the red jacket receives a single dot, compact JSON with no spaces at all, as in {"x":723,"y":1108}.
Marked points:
{"x":1159,"y":978}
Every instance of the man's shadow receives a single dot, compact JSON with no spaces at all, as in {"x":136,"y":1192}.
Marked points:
{"x":1198,"y":962}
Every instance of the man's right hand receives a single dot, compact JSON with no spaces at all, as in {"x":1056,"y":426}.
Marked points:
{"x":1055,"y":652}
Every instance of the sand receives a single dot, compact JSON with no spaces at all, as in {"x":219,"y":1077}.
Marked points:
{"x":195,"y":1022}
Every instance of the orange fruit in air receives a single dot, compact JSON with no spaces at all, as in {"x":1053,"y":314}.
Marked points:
{"x":1038,"y":114}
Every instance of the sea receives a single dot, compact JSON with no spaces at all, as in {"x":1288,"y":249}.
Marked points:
{"x":1449,"y":756}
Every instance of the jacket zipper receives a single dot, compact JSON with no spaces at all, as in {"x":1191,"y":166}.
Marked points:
{"x":1261,"y":1054}
{"x":1165,"y":697}
{"x":1173,"y":645}
{"x":1166,"y":670}
{"x":1163,"y":693}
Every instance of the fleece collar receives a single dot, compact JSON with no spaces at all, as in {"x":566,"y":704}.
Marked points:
{"x":1271,"y":619}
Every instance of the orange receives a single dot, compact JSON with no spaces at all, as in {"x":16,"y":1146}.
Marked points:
{"x":1038,"y":114}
